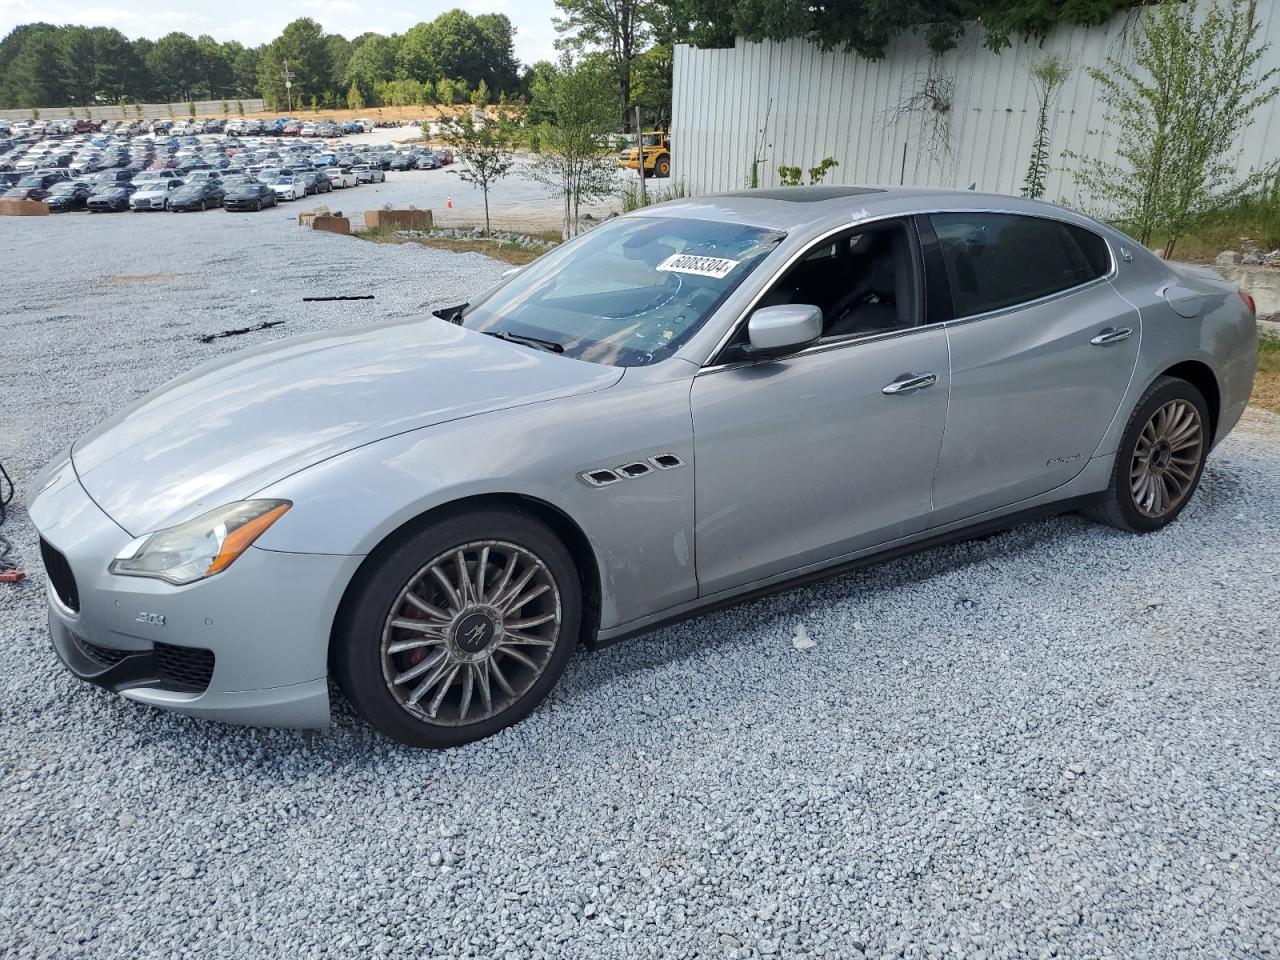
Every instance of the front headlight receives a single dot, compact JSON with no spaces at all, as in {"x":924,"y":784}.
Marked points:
{"x":201,"y":547}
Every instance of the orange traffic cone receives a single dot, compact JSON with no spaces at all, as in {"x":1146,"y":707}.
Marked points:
{"x":448,"y":203}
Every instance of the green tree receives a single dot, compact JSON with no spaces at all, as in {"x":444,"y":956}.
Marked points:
{"x":217,"y":70}
{"x":1178,"y":110}
{"x":355,"y":100}
{"x":174,"y":62}
{"x":373,"y":61}
{"x":480,"y":95}
{"x":485,"y":151}
{"x":191,"y":109}
{"x":445,"y":91}
{"x":32,"y":67}
{"x":579,"y":109}
{"x":618,"y":28}
{"x":302,"y":46}
{"x":1049,"y":74}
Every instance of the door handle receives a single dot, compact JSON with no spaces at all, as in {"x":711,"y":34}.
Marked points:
{"x":1111,"y":335}
{"x":909,"y":382}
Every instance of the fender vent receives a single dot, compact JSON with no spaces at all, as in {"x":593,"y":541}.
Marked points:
{"x":599,"y":478}
{"x":666,"y":461}
{"x":633,"y":470}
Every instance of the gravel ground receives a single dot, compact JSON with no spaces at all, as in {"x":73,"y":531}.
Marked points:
{"x":1059,"y":741}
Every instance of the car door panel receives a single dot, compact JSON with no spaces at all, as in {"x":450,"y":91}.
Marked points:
{"x":808,"y":458}
{"x":1032,"y":396}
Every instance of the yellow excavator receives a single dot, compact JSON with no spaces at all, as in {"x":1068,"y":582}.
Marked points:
{"x":656,"y":145}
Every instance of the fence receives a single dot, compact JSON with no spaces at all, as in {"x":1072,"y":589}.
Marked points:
{"x":150,"y":111}
{"x":861,"y":112}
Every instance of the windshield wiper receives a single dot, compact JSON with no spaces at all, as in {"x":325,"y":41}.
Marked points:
{"x":528,"y":341}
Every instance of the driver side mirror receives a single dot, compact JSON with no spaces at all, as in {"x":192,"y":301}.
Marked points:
{"x":779,"y":330}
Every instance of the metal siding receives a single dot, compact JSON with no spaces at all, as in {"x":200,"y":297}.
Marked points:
{"x":837,"y":104}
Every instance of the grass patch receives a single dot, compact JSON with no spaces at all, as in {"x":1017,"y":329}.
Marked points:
{"x":513,"y":253}
{"x":1266,"y":384}
{"x":1252,"y":223}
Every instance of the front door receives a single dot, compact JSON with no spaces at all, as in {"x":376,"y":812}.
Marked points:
{"x":803,"y":460}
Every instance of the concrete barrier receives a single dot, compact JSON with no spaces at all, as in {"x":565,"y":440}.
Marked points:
{"x":332,"y":224}
{"x":398,"y":220}
{"x":23,"y":208}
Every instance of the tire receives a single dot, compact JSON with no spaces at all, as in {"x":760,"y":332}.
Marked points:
{"x":257,"y":207}
{"x":1134,"y":503}
{"x":470,"y":700}
{"x":662,"y":167}
{"x":203,"y":206}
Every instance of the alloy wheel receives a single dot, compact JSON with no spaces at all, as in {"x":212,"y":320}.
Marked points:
{"x":1166,"y":458}
{"x":471,"y":632}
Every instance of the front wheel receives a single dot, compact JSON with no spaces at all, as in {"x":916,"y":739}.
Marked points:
{"x":663,"y":166}
{"x":1160,"y":460}
{"x":460,"y":629}
{"x":203,"y":206}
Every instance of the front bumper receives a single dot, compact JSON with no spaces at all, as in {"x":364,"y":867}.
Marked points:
{"x":150,"y":203}
{"x":249,"y":645}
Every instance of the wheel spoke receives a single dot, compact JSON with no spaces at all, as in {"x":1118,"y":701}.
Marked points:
{"x":507,"y":571}
{"x":468,"y":680}
{"x":529,"y":622}
{"x":434,"y":612}
{"x":502,"y":602}
{"x":400,"y":646}
{"x":501,"y":678}
{"x":419,"y":626}
{"x":482,"y":677}
{"x":434,"y":707}
{"x":527,"y":598}
{"x":519,"y":657}
{"x":429,"y":663}
{"x":526,"y":640}
{"x":454,"y":600}
{"x":482,"y":568}
{"x":464,"y":579}
{"x":420,"y":690}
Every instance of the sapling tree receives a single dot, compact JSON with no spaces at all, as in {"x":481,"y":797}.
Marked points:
{"x":1048,"y":75}
{"x":1178,"y":109}
{"x":484,"y":149}
{"x":579,"y":106}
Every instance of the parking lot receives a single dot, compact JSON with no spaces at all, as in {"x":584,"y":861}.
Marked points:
{"x":1057,"y":741}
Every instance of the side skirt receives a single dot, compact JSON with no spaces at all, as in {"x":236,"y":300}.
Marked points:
{"x":983,"y":528}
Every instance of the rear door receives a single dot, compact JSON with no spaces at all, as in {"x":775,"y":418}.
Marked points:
{"x":1042,"y":350}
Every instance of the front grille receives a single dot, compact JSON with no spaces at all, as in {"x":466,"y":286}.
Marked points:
{"x":183,"y":668}
{"x":107,"y":656}
{"x":60,"y":575}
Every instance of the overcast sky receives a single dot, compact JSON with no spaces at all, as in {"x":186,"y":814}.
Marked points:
{"x":253,"y":22}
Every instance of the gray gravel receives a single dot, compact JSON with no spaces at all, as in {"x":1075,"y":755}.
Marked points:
{"x":1060,"y":741}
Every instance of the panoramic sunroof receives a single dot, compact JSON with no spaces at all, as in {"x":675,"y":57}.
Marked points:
{"x":804,"y":194}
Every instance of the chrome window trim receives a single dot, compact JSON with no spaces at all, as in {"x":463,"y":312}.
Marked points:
{"x":863,"y":338}
{"x":1107,"y":277}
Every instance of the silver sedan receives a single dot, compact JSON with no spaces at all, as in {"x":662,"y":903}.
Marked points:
{"x":688,"y":405}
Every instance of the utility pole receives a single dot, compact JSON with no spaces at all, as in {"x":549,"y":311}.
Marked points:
{"x":644,"y":200}
{"x":288,"y":86}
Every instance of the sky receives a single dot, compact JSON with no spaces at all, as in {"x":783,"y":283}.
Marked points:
{"x":253,"y":22}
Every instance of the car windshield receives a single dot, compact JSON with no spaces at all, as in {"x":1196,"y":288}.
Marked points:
{"x":629,"y":292}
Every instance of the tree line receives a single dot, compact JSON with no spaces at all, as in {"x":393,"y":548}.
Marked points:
{"x":42,"y":64}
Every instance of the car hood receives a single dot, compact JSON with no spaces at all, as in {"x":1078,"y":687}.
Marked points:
{"x":231,"y":427}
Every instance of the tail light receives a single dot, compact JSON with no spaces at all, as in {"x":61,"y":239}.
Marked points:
{"x":1248,"y":302}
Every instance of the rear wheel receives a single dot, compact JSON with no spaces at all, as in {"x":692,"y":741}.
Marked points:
{"x":459,"y":630}
{"x":663,"y":166}
{"x":1160,"y":460}
{"x":203,"y":206}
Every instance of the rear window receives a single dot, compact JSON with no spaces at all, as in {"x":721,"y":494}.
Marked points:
{"x":998,"y":260}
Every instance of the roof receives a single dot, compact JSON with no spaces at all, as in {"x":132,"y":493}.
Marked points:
{"x":791,"y":208}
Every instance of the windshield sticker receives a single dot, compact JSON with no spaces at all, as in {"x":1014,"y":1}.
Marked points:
{"x":718,"y":267}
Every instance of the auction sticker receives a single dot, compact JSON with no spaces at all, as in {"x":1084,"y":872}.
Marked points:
{"x":718,"y":267}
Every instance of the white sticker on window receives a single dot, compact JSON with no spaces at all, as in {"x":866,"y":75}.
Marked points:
{"x":718,"y":267}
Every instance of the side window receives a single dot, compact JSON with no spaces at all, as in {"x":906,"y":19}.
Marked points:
{"x":997,"y":260}
{"x":863,"y":281}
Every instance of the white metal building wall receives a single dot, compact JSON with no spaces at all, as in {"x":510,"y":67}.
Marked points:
{"x":844,"y":106}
